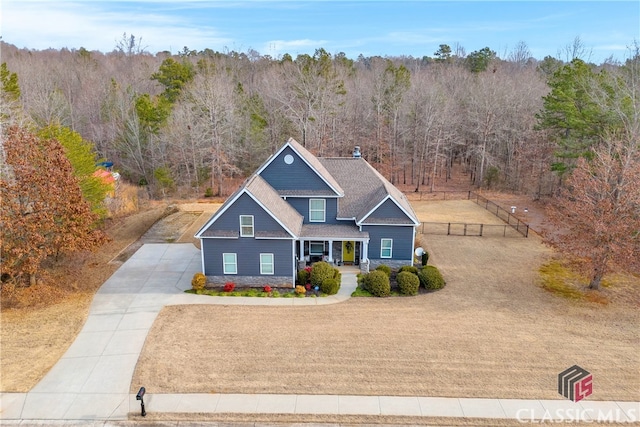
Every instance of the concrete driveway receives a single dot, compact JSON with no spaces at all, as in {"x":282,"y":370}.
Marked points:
{"x":90,"y":384}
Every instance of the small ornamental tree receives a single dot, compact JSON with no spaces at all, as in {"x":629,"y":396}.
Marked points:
{"x":43,"y":212}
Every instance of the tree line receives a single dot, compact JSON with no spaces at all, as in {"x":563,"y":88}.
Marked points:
{"x":186,"y":123}
{"x":189,"y":121}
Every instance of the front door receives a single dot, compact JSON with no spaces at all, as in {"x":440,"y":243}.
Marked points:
{"x":348,"y":251}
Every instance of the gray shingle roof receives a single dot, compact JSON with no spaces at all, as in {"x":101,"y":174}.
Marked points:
{"x":364,"y":187}
{"x":329,"y":231}
{"x":221,"y":233}
{"x":316,"y":164}
{"x":270,"y":199}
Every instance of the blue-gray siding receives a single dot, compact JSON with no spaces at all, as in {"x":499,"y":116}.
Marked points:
{"x":245,"y":205}
{"x":248,"y":252}
{"x":301,"y":204}
{"x":402,"y":240}
{"x":296,"y":176}
{"x":388,"y":210}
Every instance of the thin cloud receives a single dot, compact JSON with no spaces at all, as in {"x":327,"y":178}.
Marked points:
{"x":278,"y":47}
{"x":41,"y":25}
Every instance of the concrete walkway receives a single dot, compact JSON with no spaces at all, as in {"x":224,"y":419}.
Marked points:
{"x":90,"y":384}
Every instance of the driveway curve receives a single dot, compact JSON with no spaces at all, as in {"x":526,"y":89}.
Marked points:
{"x":92,"y":379}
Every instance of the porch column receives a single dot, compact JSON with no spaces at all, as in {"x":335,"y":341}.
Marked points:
{"x":364,"y":253}
{"x":331,"y":251}
{"x":301,"y":254}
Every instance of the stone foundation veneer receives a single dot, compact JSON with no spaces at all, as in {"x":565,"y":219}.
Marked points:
{"x":393,"y":263}
{"x":251,"y":281}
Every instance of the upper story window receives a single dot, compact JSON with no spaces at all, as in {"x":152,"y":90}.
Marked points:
{"x":246,"y":225}
{"x":317,"y":210}
{"x":386,"y":248}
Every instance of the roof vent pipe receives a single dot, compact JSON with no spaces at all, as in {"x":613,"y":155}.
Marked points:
{"x":356,"y":152}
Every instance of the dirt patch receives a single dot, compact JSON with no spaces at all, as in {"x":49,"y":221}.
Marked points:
{"x":491,"y":332}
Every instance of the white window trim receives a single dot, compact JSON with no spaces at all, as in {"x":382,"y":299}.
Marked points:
{"x":390,"y":248}
{"x":252,"y":226}
{"x":271,"y":263}
{"x":224,"y":263}
{"x":324,"y":210}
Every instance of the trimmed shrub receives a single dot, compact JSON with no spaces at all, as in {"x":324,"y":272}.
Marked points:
{"x":330,"y":286}
{"x":385,"y":269}
{"x":408,"y":283}
{"x":303,"y":277}
{"x":337,"y":275}
{"x":199,"y":281}
{"x":430,"y":278}
{"x":409,"y":268}
{"x":229,"y":287}
{"x":319,"y":272}
{"x":300,"y":290}
{"x":377,"y":283}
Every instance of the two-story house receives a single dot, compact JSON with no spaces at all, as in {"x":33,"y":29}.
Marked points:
{"x":297,"y":209}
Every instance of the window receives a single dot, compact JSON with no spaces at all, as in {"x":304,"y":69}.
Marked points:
{"x":316,"y":248}
{"x":229,"y":263}
{"x":316,"y":210}
{"x":266,"y":263}
{"x":246,"y":225}
{"x":386,"y":245}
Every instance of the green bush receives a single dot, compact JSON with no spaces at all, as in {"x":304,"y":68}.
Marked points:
{"x":303,"y":277}
{"x":199,"y":281}
{"x":408,"y":283}
{"x":377,"y":283}
{"x":409,"y":268}
{"x":430,"y":278}
{"x":330,"y":286}
{"x":319,"y":272}
{"x":384,"y":268}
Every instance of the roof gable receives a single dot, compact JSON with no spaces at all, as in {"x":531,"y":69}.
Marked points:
{"x":365,"y":190}
{"x":294,"y":171}
{"x":264,"y":196}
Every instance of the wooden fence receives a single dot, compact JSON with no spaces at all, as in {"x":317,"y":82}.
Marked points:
{"x":467,"y":229}
{"x":511,"y":220}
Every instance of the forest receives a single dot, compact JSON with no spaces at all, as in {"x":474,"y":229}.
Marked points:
{"x":195,"y":123}
{"x":187,"y":123}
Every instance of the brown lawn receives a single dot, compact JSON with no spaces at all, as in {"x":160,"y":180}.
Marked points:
{"x":491,"y":332}
{"x":42,"y":322}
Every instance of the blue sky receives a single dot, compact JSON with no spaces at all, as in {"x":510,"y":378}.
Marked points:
{"x":416,"y":28}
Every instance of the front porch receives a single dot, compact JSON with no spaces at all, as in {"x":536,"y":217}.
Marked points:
{"x":337,"y":252}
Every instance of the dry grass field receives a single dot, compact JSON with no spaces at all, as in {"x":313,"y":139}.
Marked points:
{"x":39,"y":327}
{"x":491,"y":332}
